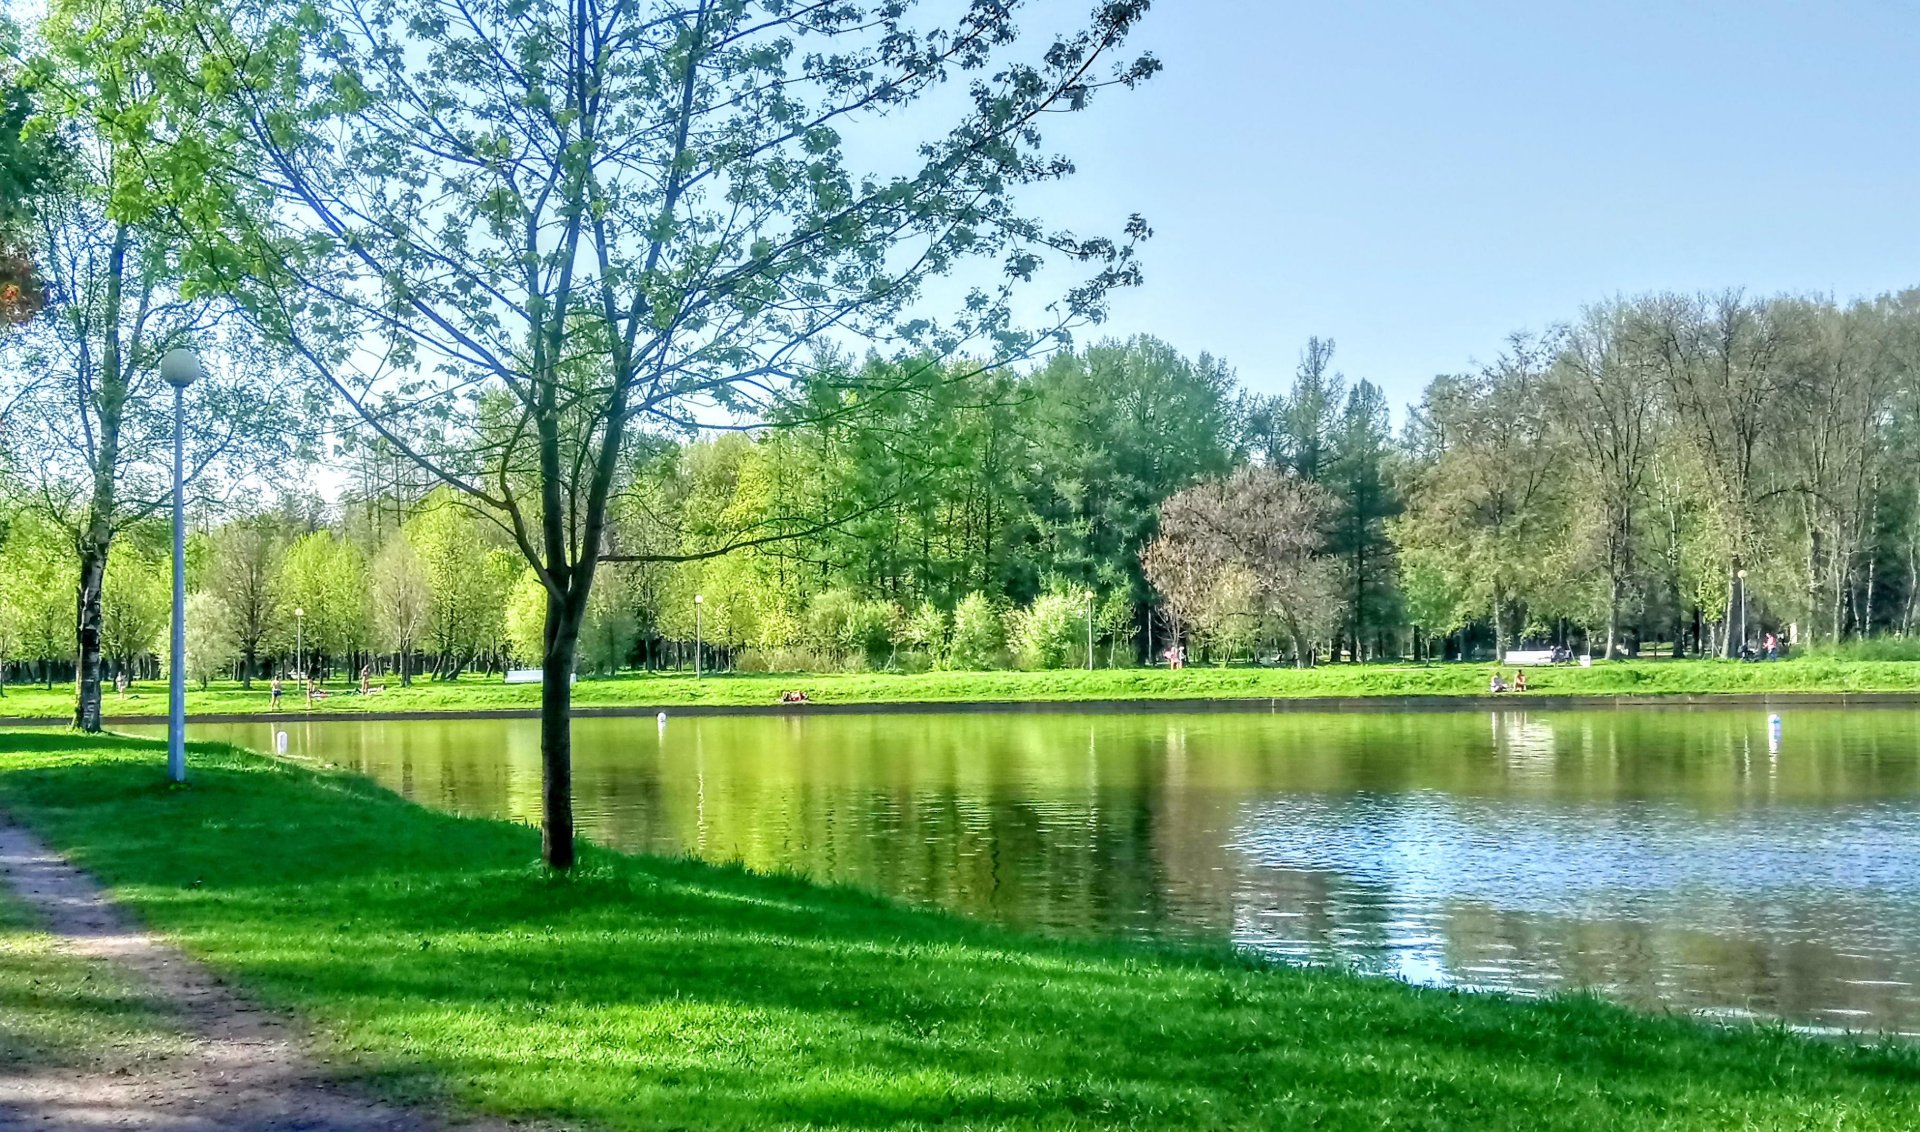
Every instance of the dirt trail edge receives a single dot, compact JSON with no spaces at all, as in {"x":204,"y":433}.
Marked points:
{"x":244,"y":1068}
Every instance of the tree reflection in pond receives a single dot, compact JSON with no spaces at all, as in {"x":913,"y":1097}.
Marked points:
{"x":1698,"y":859}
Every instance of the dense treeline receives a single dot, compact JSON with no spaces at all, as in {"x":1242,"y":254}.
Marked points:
{"x":965,"y":515}
{"x":1684,"y":471}
{"x":1697,"y":470}
{"x":1693,"y":471}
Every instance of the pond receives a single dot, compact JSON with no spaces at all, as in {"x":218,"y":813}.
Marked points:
{"x":1708,"y":860}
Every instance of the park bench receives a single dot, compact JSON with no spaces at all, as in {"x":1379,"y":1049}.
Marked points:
{"x":1530,"y":658}
{"x":531,"y":676}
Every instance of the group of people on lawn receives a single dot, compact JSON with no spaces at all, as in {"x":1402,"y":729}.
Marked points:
{"x":315,"y":692}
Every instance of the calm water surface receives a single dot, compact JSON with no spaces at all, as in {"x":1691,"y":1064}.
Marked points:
{"x":1701,"y":860}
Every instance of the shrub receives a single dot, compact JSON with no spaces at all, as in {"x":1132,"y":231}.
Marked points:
{"x":978,"y":636}
{"x":1052,"y":632}
{"x":1869,"y":648}
{"x":842,"y":626}
{"x":925,"y":632}
{"x":795,"y":661}
{"x":869,"y":632}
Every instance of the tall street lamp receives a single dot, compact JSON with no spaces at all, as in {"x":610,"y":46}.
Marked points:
{"x":1742,"y":575}
{"x":179,"y":368}
{"x":698,"y":601}
{"x":300,"y":644}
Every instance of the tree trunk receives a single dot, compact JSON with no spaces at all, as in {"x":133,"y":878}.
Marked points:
{"x":1673,"y":585}
{"x":87,"y":674}
{"x":1839,"y":609}
{"x":556,"y":736}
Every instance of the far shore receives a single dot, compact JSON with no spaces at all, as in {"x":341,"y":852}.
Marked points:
{"x":1329,"y":688}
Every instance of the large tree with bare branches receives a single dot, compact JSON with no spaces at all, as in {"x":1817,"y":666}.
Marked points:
{"x":1606,"y":391}
{"x":1718,"y":359}
{"x":513,"y":237}
{"x":1261,"y":530}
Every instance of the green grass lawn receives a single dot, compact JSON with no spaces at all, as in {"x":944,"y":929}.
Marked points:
{"x":435,"y":958}
{"x":1650,"y":677}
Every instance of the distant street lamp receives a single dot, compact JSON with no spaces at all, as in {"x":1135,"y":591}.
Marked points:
{"x":179,"y":368}
{"x":698,"y":601}
{"x":1742,"y":575}
{"x":1089,"y":630}
{"x":299,"y":646}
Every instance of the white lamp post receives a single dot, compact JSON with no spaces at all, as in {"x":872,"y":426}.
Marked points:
{"x":179,"y":368}
{"x":698,"y":601}
{"x":1742,"y":575}
{"x":299,"y":644}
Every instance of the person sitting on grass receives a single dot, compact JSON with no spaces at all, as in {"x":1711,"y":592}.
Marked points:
{"x":1497,"y":685}
{"x":1519,"y":679}
{"x":794,"y":697}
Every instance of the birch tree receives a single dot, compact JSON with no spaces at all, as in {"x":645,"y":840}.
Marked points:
{"x":91,"y":418}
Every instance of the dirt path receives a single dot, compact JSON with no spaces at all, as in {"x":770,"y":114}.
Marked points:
{"x":244,"y":1069}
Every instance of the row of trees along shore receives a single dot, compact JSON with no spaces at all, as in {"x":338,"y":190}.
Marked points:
{"x":1606,"y":481}
{"x":601,"y":291}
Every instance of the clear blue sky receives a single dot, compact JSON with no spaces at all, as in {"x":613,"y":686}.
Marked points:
{"x":1416,"y":180}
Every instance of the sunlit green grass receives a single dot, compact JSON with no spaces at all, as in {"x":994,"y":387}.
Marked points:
{"x":434,"y":956}
{"x":474,"y":693}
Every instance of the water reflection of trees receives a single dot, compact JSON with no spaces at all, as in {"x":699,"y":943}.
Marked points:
{"x":1141,"y":824}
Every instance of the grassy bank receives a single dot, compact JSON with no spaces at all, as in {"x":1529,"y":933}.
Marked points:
{"x":646,"y":993}
{"x":1652,"y":677}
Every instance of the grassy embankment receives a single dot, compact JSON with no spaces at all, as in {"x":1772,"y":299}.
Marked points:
{"x":1653,"y":677}
{"x":435,"y":958}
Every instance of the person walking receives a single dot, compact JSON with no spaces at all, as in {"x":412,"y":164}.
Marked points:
{"x":276,"y":688}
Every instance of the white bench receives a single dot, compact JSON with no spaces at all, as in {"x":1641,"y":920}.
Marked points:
{"x":533,"y":676}
{"x":1533,"y":657}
